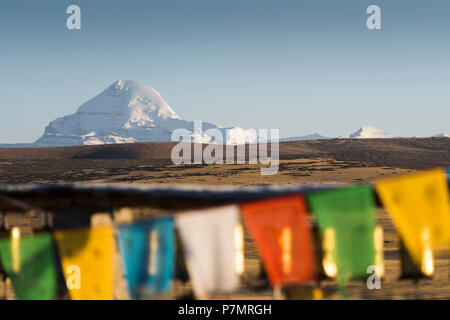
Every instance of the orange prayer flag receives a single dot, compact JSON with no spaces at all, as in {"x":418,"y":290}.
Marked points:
{"x":282,"y":234}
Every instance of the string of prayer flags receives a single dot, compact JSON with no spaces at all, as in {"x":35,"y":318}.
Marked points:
{"x":209,"y":244}
{"x":87,"y":261}
{"x":419,"y":206}
{"x":29,"y":263}
{"x":346,"y":221}
{"x":283,"y":236}
{"x":148,"y":255}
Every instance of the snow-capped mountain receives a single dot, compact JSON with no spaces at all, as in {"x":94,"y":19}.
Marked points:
{"x":364,"y":132}
{"x":128,"y":111}
{"x":442,"y":135}
{"x":369,"y":132}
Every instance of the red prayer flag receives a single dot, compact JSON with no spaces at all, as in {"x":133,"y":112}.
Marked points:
{"x":282,"y":232}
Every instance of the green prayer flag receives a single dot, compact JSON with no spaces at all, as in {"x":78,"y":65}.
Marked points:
{"x":346,"y":220}
{"x":29,"y":263}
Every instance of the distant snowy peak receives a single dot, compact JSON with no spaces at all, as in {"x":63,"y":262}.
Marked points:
{"x":126,"y":104}
{"x":442,"y":135}
{"x":364,"y":132}
{"x":369,"y":132}
{"x":144,"y":103}
{"x":237,"y":135}
{"x":128,"y":111}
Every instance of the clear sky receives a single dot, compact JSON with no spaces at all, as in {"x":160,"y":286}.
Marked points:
{"x":300,"y":66}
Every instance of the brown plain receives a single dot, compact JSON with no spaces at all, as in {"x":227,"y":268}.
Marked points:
{"x":301,"y":162}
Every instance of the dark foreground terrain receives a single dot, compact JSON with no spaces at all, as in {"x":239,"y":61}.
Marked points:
{"x":341,"y":160}
{"x":319,"y":161}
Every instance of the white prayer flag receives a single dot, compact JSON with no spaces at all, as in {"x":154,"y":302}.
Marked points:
{"x":208,"y":240}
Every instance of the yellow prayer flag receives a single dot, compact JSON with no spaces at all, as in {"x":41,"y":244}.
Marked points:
{"x":419,"y":206}
{"x":87,"y":261}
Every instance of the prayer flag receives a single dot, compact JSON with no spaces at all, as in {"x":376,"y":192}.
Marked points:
{"x":346,"y":221}
{"x":419,"y":206}
{"x":87,"y":257}
{"x":148,"y":255}
{"x":208,"y":239}
{"x":29,"y":263}
{"x":283,"y":236}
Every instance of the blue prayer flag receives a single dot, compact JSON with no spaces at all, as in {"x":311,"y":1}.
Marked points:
{"x":148,"y":256}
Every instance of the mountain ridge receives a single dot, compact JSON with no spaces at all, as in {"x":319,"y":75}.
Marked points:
{"x":128,"y":111}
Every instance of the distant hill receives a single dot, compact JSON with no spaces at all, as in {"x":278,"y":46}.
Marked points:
{"x":314,"y":136}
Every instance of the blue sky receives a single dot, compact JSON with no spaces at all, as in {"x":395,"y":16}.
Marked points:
{"x":300,"y":66}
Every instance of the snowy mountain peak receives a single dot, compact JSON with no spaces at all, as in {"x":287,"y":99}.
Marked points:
{"x":127,"y":111}
{"x":369,"y":132}
{"x":142,"y":101}
{"x":442,"y":135}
